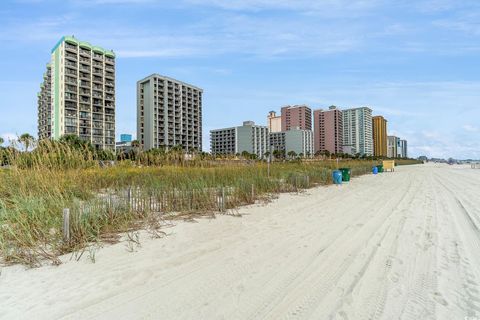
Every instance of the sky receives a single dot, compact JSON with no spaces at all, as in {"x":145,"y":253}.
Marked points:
{"x":414,"y":62}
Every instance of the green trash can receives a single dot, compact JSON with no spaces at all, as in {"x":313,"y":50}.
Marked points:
{"x":346,"y":173}
{"x":380,"y":168}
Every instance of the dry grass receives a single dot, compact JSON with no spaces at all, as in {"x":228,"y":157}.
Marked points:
{"x":37,"y":186}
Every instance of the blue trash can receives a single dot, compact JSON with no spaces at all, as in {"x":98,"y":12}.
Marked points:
{"x":337,"y":177}
{"x":374,"y":170}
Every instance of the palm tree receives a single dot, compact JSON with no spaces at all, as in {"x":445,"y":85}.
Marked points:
{"x":27,"y":140}
{"x":135,"y":144}
{"x":292,"y":154}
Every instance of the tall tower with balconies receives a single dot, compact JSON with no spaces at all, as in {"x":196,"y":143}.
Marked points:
{"x":78,"y":94}
{"x":169,"y":114}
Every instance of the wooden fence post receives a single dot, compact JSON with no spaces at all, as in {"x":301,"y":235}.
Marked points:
{"x":223,"y":199}
{"x":253,"y":192}
{"x":66,"y":225}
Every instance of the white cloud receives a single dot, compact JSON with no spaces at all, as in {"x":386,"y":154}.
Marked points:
{"x":8,"y":137}
{"x":470,"y":128}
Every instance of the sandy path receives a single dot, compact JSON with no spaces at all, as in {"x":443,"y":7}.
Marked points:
{"x":403,"y":245}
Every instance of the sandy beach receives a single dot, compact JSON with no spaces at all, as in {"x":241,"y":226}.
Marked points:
{"x":402,"y":245}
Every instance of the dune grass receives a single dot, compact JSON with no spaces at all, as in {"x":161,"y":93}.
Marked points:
{"x":107,"y":201}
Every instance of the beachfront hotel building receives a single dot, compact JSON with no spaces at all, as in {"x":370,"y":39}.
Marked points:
{"x":236,"y":140}
{"x":402,"y":149}
{"x":392,"y":144}
{"x":298,"y":116}
{"x":77,"y":95}
{"x":379,"y":127}
{"x":169,"y":114}
{"x":328,"y":130}
{"x":296,"y":140}
{"x":274,"y":122}
{"x":45,"y":106}
{"x":357,"y":131}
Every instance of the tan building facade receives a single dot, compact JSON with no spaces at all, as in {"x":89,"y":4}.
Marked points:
{"x":379,"y":136}
{"x":274,"y":122}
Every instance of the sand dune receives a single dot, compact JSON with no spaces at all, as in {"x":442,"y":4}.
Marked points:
{"x":403,"y":245}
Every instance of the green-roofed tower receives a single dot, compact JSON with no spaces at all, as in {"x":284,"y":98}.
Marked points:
{"x":78,"y":93}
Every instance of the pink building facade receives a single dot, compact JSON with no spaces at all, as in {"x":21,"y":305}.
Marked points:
{"x":328,"y":130}
{"x":294,"y":117}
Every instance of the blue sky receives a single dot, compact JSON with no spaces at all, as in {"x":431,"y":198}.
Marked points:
{"x":414,"y":62}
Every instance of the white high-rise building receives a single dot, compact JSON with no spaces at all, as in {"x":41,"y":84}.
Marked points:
{"x":357,"y":131}
{"x":295,"y":140}
{"x":392,"y":146}
{"x":402,"y":149}
{"x":235,"y":140}
{"x":78,"y":94}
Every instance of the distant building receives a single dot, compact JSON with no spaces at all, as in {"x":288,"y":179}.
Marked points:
{"x":248,"y":137}
{"x":380,"y":148}
{"x":328,"y":130}
{"x":357,"y":131}
{"x":392,"y":145}
{"x":123,"y":146}
{"x":77,"y":95}
{"x":298,"y":116}
{"x":274,"y":122}
{"x":296,"y":140}
{"x":125,"y":138}
{"x":169,"y":114}
{"x":402,"y":151}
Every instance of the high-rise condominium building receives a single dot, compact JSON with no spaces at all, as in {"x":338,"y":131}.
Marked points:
{"x":297,"y":140}
{"x":402,"y":149}
{"x":78,"y":94}
{"x":296,"y":117}
{"x":357,"y":131}
{"x":169,"y":114}
{"x":45,"y":106}
{"x":379,"y":136}
{"x":328,"y":130}
{"x":392,"y":146}
{"x":274,"y":122}
{"x":249,"y":137}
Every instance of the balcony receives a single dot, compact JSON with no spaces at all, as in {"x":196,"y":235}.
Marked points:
{"x":85,"y":60}
{"x":84,"y":53}
{"x":85,"y":84}
{"x":84,"y":76}
{"x":98,"y":72}
{"x":97,"y":79}
{"x":70,"y":56}
{"x":70,"y":97}
{"x":85,"y":92}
